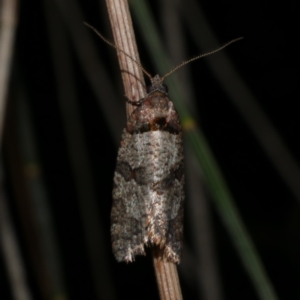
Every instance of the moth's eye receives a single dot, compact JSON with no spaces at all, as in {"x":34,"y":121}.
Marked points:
{"x":165,"y":88}
{"x":149,"y":89}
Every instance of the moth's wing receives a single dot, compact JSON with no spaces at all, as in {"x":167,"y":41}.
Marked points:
{"x":174,"y":244}
{"x":128,"y":210}
{"x":165,"y":223}
{"x":174,"y":230}
{"x":166,"y":226}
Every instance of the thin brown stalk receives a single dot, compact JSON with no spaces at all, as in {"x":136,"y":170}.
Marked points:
{"x":11,"y":252}
{"x":8,"y":238}
{"x":124,"y":38}
{"x":166,"y":277}
{"x":8,"y":20}
{"x":120,"y":18}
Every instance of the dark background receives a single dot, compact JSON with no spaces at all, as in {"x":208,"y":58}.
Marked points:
{"x":268,"y":62}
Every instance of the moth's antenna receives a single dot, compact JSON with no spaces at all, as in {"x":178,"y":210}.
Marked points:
{"x":114,"y":46}
{"x":199,"y":56}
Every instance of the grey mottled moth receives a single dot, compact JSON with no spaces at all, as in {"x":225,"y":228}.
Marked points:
{"x":148,"y":193}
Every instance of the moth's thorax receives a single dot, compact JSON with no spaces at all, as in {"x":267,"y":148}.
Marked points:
{"x":156,"y":112}
{"x":157,"y":101}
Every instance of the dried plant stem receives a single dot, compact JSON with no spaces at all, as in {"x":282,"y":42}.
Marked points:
{"x":8,"y":239}
{"x":166,"y":273}
{"x":8,"y":20}
{"x":11,"y":252}
{"x":166,"y":277}
{"x":124,"y":38}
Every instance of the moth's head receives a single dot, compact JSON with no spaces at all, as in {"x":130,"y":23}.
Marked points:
{"x":157,"y":85}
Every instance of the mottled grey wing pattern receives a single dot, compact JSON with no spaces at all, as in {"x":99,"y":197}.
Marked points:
{"x":148,"y":192}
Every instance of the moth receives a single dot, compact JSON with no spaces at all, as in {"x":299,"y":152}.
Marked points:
{"x":148,"y":192}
